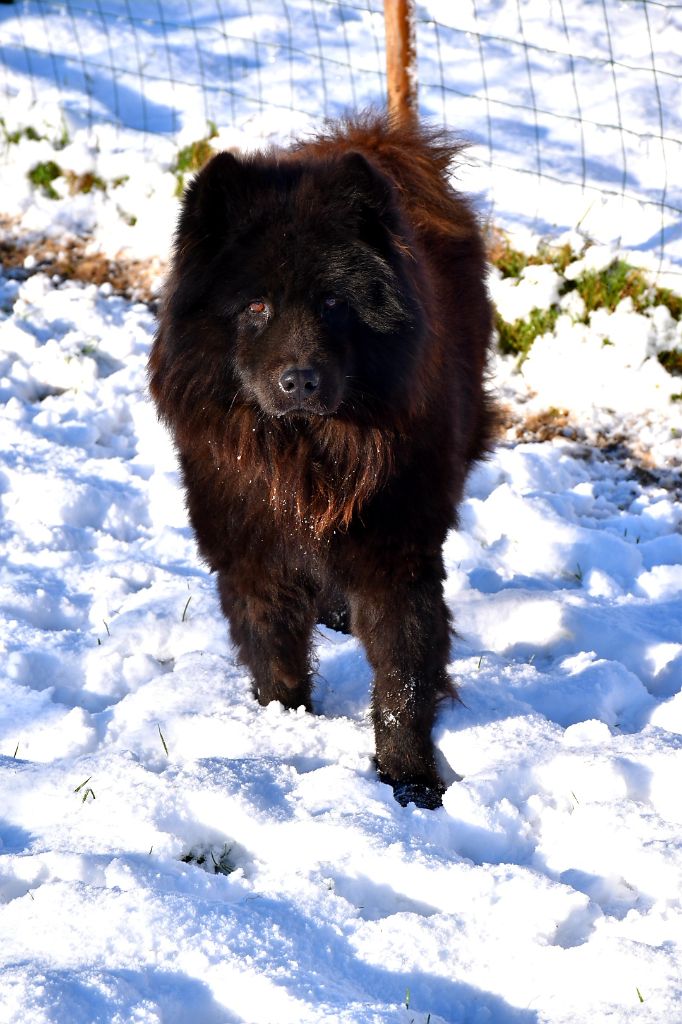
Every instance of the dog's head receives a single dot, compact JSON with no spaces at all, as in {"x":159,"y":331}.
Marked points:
{"x":295,"y":277}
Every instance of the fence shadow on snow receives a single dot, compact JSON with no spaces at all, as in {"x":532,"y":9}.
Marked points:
{"x":570,"y":106}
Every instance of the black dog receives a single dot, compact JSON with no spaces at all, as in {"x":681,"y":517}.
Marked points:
{"x":320,"y":362}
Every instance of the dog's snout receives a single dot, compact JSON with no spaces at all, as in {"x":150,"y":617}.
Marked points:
{"x":298,"y":383}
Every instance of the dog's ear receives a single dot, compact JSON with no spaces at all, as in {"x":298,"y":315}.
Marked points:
{"x":370,"y":197}
{"x":213,"y":193}
{"x":214,"y":203}
{"x":361,"y":184}
{"x":218,"y":195}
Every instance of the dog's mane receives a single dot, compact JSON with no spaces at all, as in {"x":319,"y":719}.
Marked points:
{"x":317,"y":473}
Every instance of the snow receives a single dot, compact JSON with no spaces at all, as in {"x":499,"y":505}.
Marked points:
{"x":547,"y":889}
{"x":133,"y":759}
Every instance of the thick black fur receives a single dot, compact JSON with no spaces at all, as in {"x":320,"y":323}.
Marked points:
{"x":320,"y":361}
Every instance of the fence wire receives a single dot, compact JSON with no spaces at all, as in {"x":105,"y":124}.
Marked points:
{"x":579,"y":108}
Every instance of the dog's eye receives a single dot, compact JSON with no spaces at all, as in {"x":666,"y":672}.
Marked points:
{"x":258,"y":307}
{"x":330,"y":301}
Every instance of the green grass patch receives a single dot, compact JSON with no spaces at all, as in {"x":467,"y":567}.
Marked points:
{"x":516,"y":338}
{"x":512,"y":262}
{"x":191,"y":158}
{"x":15,"y":137}
{"x":604,"y":289}
{"x":42,"y":176}
{"x":29,"y":132}
{"x":599,"y":289}
{"x":664,"y":297}
{"x":672,"y":362}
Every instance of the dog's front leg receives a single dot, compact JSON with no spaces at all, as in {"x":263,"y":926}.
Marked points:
{"x":404,"y":624}
{"x":271,"y":620}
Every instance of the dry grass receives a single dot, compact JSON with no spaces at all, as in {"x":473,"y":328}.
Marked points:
{"x":72,"y":259}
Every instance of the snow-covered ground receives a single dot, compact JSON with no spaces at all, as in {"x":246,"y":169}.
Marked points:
{"x":170,"y":852}
{"x":547,"y":889}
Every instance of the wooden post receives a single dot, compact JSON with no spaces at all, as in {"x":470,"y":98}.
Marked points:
{"x":401,"y":58}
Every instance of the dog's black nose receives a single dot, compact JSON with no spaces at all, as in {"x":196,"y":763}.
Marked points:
{"x":299,"y":384}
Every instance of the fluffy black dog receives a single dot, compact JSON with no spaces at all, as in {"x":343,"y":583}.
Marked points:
{"x":320,"y":361}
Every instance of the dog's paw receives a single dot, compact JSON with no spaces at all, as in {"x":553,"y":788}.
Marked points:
{"x":418,"y":793}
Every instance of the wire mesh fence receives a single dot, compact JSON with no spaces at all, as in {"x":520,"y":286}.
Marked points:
{"x":151,"y":65}
{"x":568,"y":106}
{"x":591,"y":103}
